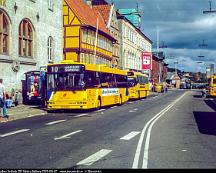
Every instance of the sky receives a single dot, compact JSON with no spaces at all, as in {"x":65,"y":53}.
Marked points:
{"x":182,"y":27}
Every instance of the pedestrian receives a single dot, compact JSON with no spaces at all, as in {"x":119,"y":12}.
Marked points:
{"x":3,"y":99}
{"x":204,"y":92}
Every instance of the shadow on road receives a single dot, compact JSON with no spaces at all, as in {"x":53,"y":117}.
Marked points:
{"x":211,"y":104}
{"x":206,"y":122}
{"x":198,"y":96}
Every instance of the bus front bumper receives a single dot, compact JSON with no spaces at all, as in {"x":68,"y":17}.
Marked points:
{"x":81,"y":105}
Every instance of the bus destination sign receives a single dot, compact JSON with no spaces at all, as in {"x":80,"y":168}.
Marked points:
{"x":65,"y":68}
{"x":130,"y":73}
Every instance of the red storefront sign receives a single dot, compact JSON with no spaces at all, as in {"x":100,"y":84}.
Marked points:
{"x":147,"y":61}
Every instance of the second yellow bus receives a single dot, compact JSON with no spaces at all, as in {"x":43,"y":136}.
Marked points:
{"x":138,"y":85}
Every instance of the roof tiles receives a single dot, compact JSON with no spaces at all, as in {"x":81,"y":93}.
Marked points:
{"x":104,"y":11}
{"x":87,"y":15}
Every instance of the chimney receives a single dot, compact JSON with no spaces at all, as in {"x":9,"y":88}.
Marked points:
{"x":89,"y":3}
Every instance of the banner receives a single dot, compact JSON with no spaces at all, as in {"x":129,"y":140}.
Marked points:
{"x":146,"y":61}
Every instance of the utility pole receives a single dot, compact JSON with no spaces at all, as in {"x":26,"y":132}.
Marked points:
{"x":176,"y":62}
{"x":210,"y":9}
{"x":163,"y":45}
{"x":202,"y":45}
{"x":207,"y":12}
{"x":158,"y":41}
{"x":158,"y":49}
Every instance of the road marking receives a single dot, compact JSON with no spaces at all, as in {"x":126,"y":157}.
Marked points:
{"x":139,"y":145}
{"x":131,"y":111}
{"x":130,"y":135}
{"x":152,"y":98}
{"x":146,"y":148}
{"x":113,"y":107}
{"x":55,"y":122}
{"x":15,"y":132}
{"x":94,"y":158}
{"x":36,"y":115}
{"x":81,"y":115}
{"x":130,"y":102}
{"x":67,"y":135}
{"x":134,"y":110}
{"x":101,"y":110}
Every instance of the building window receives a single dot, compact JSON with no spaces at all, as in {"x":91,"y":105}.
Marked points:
{"x":50,"y":49}
{"x":50,"y":5}
{"x":4,"y":33}
{"x":25,"y":39}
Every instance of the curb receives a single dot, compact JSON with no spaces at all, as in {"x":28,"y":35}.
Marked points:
{"x":12,"y":117}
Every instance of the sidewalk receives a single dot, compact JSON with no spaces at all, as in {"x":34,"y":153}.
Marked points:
{"x":23,"y":111}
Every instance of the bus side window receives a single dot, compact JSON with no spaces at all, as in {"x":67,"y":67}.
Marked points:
{"x":121,"y":81}
{"x":104,"y":80}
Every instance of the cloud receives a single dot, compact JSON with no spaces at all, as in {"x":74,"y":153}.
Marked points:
{"x":183,"y":26}
{"x":188,"y":59}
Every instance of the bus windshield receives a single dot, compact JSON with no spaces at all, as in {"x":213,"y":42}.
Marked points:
{"x":65,"y":81}
{"x":142,"y":79}
{"x":131,"y":81}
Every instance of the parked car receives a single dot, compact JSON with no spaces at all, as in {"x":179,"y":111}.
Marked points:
{"x":159,"y":87}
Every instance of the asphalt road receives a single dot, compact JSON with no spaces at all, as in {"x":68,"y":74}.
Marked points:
{"x":172,"y":130}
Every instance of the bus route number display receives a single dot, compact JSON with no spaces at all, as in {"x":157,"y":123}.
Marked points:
{"x":66,"y":68}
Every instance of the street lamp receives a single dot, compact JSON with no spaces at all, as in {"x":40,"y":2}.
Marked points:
{"x":176,"y":63}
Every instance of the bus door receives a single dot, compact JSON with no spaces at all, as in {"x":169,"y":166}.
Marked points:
{"x":109,"y":91}
{"x":92,"y":81}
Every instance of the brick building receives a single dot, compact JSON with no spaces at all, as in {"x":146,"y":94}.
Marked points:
{"x":159,"y":69}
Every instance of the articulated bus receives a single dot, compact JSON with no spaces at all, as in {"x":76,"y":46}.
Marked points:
{"x":138,"y":85}
{"x":72,"y":85}
{"x":212,"y":86}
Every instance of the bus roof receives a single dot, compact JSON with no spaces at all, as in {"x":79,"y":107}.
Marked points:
{"x":93,"y":67}
{"x":134,"y":74}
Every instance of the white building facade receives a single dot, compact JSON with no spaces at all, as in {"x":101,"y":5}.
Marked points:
{"x":133,"y":44}
{"x":30,"y":37}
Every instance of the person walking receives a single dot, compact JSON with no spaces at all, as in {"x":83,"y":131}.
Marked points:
{"x":3,"y":99}
{"x":204,"y":92}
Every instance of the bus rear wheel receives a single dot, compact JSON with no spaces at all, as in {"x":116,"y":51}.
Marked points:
{"x":139,"y":95}
{"x":98,"y":103}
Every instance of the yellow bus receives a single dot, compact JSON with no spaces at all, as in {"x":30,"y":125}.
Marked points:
{"x":212,"y":86}
{"x":138,"y":85}
{"x":72,"y":85}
